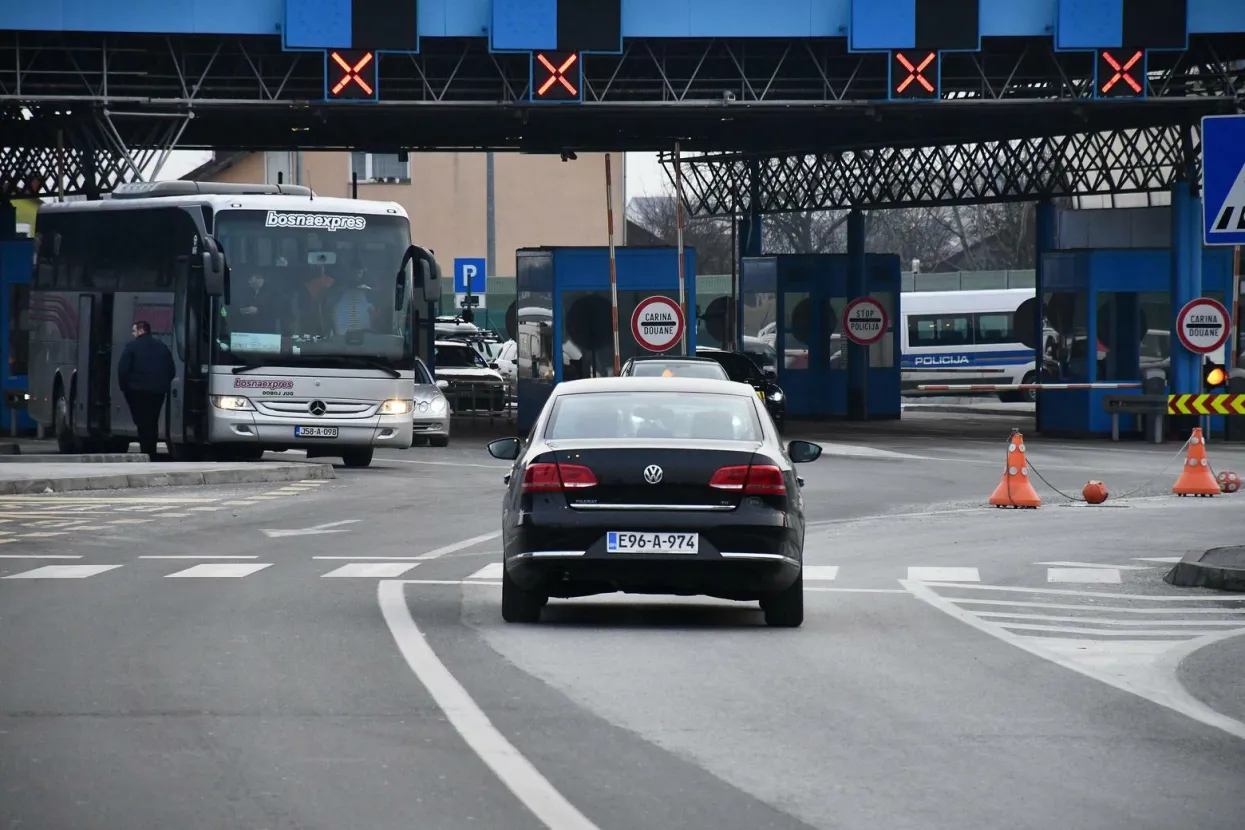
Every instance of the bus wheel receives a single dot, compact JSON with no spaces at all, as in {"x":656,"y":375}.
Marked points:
{"x":361,"y":457}
{"x":65,"y":440}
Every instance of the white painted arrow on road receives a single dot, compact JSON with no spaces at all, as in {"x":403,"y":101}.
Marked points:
{"x":331,"y":527}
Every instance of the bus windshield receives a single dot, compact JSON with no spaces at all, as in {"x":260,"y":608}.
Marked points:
{"x":308,"y":288}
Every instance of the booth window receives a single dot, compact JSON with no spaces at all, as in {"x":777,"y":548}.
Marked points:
{"x":19,"y":337}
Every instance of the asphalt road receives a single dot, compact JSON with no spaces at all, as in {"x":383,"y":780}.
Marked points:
{"x":332,"y":655}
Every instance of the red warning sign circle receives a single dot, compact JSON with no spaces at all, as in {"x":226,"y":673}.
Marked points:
{"x":657,"y":323}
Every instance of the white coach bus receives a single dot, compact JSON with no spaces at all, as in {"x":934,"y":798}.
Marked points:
{"x":241,"y":281}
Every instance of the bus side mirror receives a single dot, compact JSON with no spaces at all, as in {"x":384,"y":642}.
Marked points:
{"x":215,"y":271}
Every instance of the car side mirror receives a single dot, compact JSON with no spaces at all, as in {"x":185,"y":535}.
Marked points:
{"x":493,"y":365}
{"x":443,"y":384}
{"x":802,"y":452}
{"x":506,"y":449}
{"x":770,"y":372}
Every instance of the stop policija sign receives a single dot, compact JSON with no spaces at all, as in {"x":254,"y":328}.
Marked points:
{"x":1203,"y":326}
{"x":658,"y":323}
{"x":864,"y":321}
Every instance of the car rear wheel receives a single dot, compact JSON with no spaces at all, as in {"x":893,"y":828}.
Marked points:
{"x":517,"y":605}
{"x":785,"y":609}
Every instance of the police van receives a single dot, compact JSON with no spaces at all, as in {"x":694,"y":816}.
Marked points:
{"x":956,"y":337}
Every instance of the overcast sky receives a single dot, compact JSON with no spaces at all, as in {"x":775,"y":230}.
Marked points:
{"x":644,"y":174}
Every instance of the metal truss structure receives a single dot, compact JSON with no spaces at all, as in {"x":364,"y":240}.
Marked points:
{"x":1122,"y":161}
{"x":712,"y":94}
{"x":67,"y":155}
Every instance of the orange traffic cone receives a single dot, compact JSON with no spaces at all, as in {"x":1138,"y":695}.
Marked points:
{"x":1196,"y":479}
{"x":1015,"y":490}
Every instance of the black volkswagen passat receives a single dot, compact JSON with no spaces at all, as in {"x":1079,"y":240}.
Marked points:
{"x":653,"y":486}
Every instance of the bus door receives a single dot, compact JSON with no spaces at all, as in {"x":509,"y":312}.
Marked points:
{"x":91,"y":390}
{"x":156,"y":309}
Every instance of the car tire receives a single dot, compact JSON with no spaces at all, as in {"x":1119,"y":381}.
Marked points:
{"x":439,"y":440}
{"x":785,"y":609}
{"x":361,"y":457}
{"x":517,"y":605}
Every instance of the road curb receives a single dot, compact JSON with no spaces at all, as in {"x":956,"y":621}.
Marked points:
{"x":259,"y":474}
{"x":89,"y":458}
{"x":1221,"y":569}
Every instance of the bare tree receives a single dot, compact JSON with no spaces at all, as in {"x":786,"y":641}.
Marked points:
{"x":710,"y":236}
{"x":807,"y":232}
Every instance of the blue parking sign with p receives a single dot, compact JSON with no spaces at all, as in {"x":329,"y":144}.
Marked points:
{"x":470,"y":272}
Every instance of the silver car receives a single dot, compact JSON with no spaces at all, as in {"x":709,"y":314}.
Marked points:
{"x":431,"y":414}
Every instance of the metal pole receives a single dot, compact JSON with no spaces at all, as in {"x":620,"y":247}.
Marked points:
{"x":490,"y":247}
{"x":733,"y":307}
{"x":678,"y":214}
{"x":1234,"y":325}
{"x":609,"y":218}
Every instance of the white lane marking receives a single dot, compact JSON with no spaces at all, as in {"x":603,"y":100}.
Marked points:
{"x":1101,"y":632}
{"x":36,"y":555}
{"x":369,"y":558}
{"x":493,"y":570}
{"x":219,"y":570}
{"x":821,"y":573}
{"x":372,"y":570}
{"x":317,"y":530}
{"x":926,"y":574}
{"x":195,"y":556}
{"x":1001,"y":616}
{"x":1092,"y":565}
{"x":820,"y":590}
{"x":950,"y":511}
{"x":446,"y":463}
{"x":1115,"y":609}
{"x":518,"y":774}
{"x":63,"y":572}
{"x":130,"y":521}
{"x":1164,"y":689}
{"x":1068,"y":592}
{"x":463,"y":545}
{"x":1164,"y":559}
{"x":1084,"y":575}
{"x":865,"y":451}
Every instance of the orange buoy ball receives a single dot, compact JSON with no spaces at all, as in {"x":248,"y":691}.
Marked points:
{"x":1095,"y":492}
{"x":1229,"y":482}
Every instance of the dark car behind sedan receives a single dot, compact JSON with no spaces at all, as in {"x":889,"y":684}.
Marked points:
{"x":743,"y":369}
{"x":653,"y":486}
{"x":655,"y":366}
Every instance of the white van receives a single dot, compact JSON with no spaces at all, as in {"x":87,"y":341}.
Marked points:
{"x":956,"y":337}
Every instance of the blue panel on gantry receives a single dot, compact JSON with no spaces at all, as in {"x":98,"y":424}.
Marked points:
{"x":317,"y":24}
{"x":238,"y":17}
{"x":1216,"y":16}
{"x":524,"y":24}
{"x":1089,"y":24}
{"x":1223,"y":179}
{"x":130,"y":16}
{"x":1020,"y":18}
{"x":882,"y":24}
{"x":656,"y":18}
{"x":748,"y":18}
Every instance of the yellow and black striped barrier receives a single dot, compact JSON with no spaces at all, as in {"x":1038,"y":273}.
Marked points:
{"x":1206,"y":404}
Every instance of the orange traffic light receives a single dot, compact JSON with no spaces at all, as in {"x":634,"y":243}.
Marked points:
{"x":1214,"y":375}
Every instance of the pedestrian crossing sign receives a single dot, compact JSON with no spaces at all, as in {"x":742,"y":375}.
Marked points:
{"x":1223,"y":179}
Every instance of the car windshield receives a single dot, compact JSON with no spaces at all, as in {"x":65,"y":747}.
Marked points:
{"x":677,"y":369}
{"x":678,"y":415}
{"x":739,"y":367}
{"x":309,"y":285}
{"x":458,"y":357}
{"x":422,"y":376}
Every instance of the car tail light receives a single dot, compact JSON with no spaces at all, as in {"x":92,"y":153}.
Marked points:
{"x":757,"y":480}
{"x":548,"y":478}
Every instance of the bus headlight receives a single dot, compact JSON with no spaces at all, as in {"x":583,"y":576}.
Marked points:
{"x":232,"y":403}
{"x":396,"y":406}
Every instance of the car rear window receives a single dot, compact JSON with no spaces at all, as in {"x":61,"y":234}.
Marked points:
{"x":686,"y":369}
{"x":686,"y":415}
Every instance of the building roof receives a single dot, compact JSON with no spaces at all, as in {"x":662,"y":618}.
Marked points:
{"x":219,"y":163}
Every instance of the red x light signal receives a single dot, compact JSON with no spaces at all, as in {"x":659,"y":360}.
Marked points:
{"x":555,"y":76}
{"x":1121,"y":77}
{"x":914,"y":78}
{"x":352,"y":75}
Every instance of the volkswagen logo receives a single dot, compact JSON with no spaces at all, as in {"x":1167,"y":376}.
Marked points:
{"x":317,"y":408}
{"x":652,"y":474}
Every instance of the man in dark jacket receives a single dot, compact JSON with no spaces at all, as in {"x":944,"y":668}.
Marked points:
{"x":145,"y":374}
